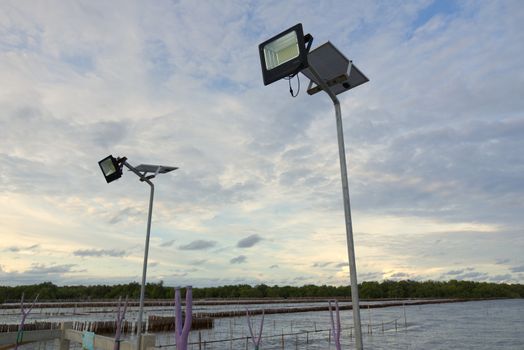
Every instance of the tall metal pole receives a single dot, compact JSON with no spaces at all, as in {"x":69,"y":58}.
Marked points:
{"x":146,"y":252}
{"x":349,"y":229}
{"x":347,"y":211}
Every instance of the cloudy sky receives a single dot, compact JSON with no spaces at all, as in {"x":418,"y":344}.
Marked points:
{"x":434,"y":143}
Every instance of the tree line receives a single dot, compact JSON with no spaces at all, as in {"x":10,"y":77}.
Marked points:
{"x":367,"y":290}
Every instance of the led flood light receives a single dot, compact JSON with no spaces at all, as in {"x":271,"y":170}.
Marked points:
{"x":284,"y":54}
{"x":111,"y":168}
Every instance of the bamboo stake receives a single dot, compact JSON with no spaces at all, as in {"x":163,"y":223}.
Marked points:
{"x":230,"y":335}
{"x":405,"y":317}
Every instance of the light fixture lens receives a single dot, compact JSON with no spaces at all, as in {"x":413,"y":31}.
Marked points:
{"x":282,"y":50}
{"x":111,"y":168}
{"x":107,"y":166}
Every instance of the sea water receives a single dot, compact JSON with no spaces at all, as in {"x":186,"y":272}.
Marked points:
{"x":479,"y":325}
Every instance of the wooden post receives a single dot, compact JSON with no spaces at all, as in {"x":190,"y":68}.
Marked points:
{"x":230,"y":335}
{"x":307,"y":337}
{"x":370,"y":327}
{"x":199,"y":340}
{"x":405,"y":318}
{"x":148,"y":341}
{"x":63,"y":343}
{"x":282,"y":339}
{"x":395,"y":325}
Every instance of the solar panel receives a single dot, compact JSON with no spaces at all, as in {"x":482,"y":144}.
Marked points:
{"x":334,"y":68}
{"x":148,"y":168}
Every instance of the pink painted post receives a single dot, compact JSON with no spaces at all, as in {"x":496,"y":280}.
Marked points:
{"x":25,"y":313}
{"x":182,"y":334}
{"x":255,"y":340}
{"x":336,"y":331}
{"x":120,"y":316}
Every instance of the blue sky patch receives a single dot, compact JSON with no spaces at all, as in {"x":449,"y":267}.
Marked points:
{"x":80,"y":63}
{"x":437,"y":7}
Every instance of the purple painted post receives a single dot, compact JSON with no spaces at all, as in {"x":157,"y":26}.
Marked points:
{"x":255,"y":340}
{"x":25,"y":313}
{"x":182,"y":334}
{"x":120,"y":316}
{"x":335,"y":331}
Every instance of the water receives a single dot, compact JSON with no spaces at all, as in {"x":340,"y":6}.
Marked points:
{"x":473,"y":325}
{"x":479,"y":325}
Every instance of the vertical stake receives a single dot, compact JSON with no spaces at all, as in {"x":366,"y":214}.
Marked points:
{"x":405,"y":318}
{"x":230,"y":335}
{"x":370,"y":327}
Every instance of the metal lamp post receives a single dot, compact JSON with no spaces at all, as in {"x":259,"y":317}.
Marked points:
{"x":323,"y":84}
{"x":284,"y":56}
{"x":112,"y":170}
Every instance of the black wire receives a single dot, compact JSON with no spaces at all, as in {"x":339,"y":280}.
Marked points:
{"x":290,"y":88}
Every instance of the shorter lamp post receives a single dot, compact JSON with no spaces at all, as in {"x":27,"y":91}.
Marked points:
{"x":112,"y":170}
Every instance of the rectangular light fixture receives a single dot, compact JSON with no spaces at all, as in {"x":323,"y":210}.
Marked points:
{"x":110,"y":168}
{"x":283,"y":55}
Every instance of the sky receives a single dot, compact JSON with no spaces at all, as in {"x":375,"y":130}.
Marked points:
{"x":434,"y":143}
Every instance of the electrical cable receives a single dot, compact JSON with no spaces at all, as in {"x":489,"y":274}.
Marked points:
{"x":290,"y":88}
